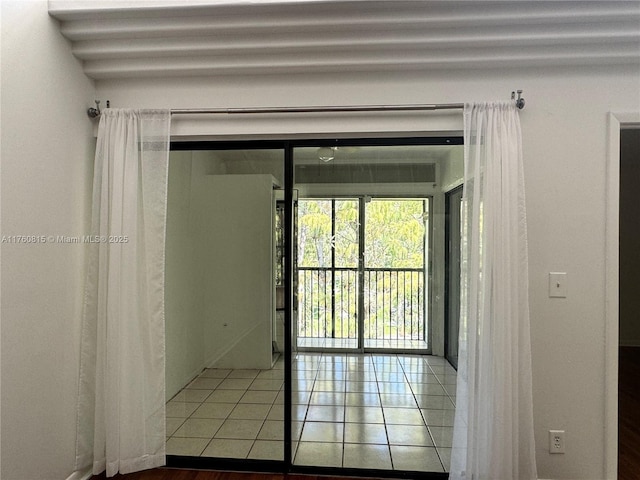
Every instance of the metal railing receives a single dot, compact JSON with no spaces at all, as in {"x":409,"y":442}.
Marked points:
{"x":393,"y":306}
{"x":327,"y":302}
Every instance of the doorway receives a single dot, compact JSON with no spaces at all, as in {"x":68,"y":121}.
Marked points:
{"x":453,"y":216}
{"x":245,"y":397}
{"x":361,"y":269}
{"x":629,"y":308}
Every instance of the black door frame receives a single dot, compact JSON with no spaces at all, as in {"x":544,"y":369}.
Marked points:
{"x":361,"y":269}
{"x":447,"y":274}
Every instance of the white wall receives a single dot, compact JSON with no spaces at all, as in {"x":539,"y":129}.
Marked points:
{"x":564,"y":134}
{"x":184,"y":319}
{"x":235,"y":249}
{"x":452,"y":170}
{"x":218,"y":295}
{"x":47,"y":153}
{"x":185,"y":295}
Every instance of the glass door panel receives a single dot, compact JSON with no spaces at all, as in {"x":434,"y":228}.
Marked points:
{"x":362,"y":253}
{"x":327,"y":266}
{"x":362,"y":242}
{"x":224,"y":332}
{"x":394,"y":273}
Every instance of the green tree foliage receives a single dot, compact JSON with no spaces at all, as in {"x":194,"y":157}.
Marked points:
{"x":394,"y":234}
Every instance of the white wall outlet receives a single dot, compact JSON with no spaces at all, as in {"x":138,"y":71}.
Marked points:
{"x":556,"y":441}
{"x":558,"y":284}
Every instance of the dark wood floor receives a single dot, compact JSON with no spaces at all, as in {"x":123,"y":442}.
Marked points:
{"x":629,"y":414}
{"x":175,"y":474}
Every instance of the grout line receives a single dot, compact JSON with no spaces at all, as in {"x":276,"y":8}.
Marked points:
{"x":208,"y":443}
{"x":440,"y":458}
{"x":384,"y":419}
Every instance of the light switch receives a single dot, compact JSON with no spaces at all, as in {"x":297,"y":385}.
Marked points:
{"x":558,"y":284}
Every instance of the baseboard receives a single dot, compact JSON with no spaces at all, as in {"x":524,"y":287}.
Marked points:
{"x":212,"y":361}
{"x":191,"y":377}
{"x":83,"y":475}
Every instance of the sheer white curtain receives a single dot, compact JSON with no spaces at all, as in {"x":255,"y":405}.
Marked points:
{"x":121,"y":412}
{"x":493,"y":432}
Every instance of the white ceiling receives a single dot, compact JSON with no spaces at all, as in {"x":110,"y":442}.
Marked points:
{"x":120,"y":39}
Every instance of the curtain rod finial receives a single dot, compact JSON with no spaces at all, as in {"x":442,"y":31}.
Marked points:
{"x":94,"y":112}
{"x":519,"y":101}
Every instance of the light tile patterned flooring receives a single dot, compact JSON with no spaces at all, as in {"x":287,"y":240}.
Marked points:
{"x":349,"y":410}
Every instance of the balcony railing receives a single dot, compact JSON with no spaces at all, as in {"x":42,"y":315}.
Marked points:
{"x":393,"y":303}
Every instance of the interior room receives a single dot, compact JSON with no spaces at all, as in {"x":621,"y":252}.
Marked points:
{"x":578,"y":65}
{"x":368,"y":397}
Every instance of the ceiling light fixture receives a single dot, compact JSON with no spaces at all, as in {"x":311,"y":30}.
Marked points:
{"x":326,"y":154}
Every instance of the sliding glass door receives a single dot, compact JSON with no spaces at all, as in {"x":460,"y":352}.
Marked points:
{"x":355,"y":294}
{"x":328,"y":273}
{"x":395,"y":290}
{"x":298,"y":306}
{"x":362,"y":243}
{"x":452,"y":263}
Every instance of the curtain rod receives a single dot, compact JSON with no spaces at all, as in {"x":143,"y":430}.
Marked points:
{"x":318,"y":109}
{"x":95,"y":112}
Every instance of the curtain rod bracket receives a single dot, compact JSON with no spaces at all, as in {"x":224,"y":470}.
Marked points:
{"x":519,"y":101}
{"x":94,"y":112}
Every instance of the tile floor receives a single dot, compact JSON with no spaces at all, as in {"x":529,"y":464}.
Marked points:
{"x":349,"y":410}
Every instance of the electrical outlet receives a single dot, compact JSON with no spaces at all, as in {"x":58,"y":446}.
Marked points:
{"x":558,"y":284}
{"x":556,"y":441}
